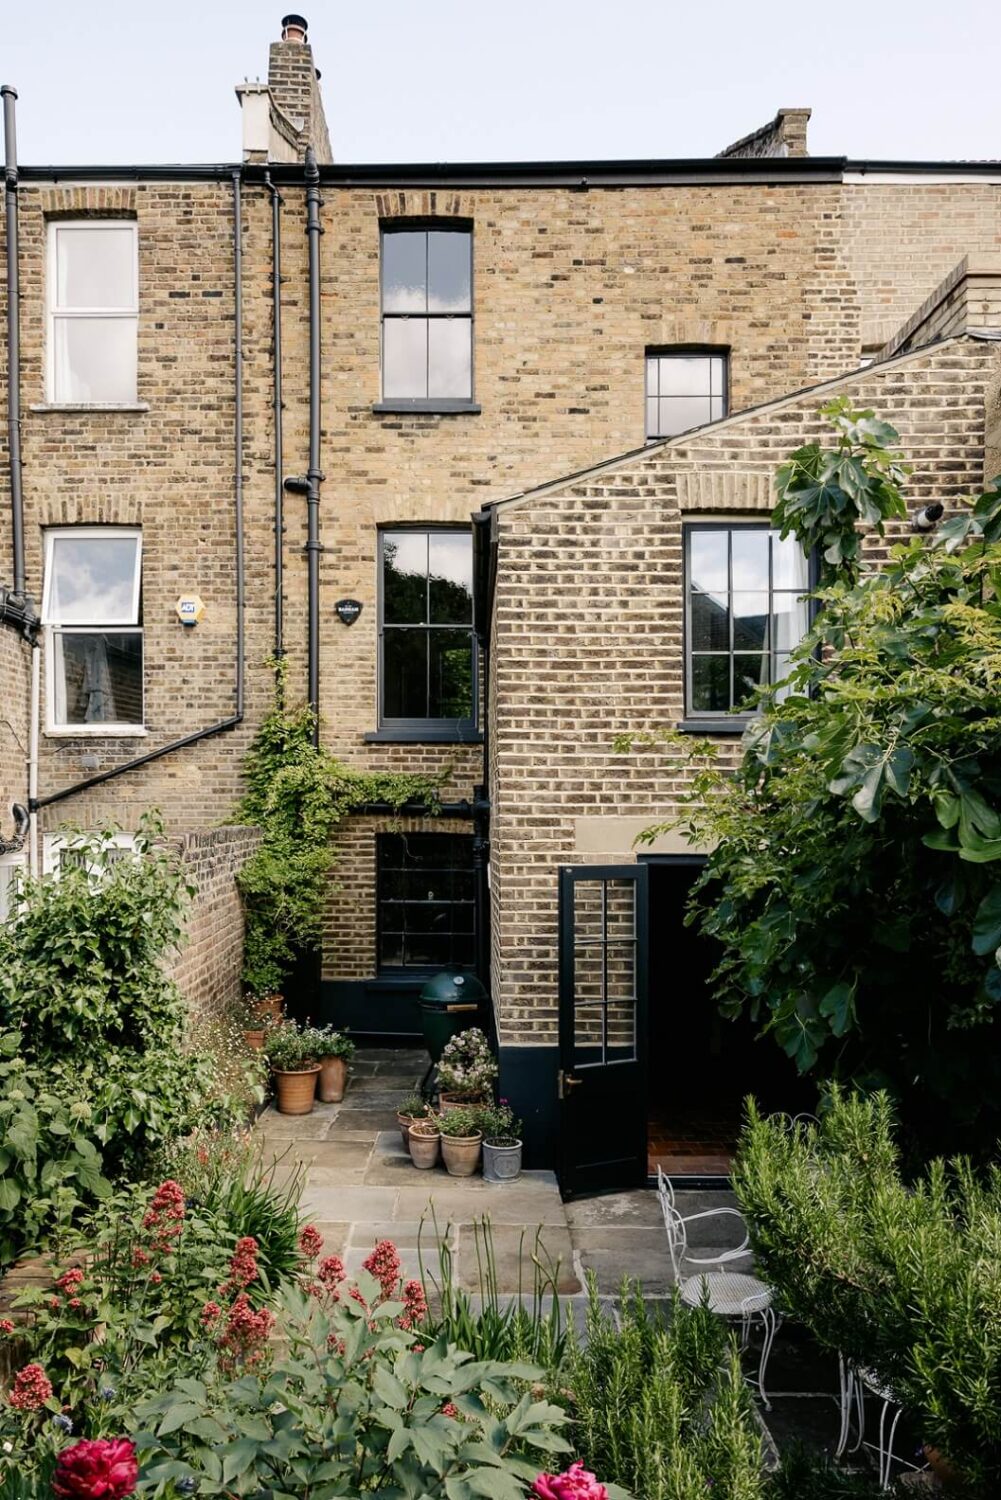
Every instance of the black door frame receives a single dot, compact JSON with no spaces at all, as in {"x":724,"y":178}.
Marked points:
{"x":610,"y":1090}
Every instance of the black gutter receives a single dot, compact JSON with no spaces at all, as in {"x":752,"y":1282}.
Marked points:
{"x":314,"y":476}
{"x":16,"y":607}
{"x":576,"y":174}
{"x":236,"y":718}
{"x":276,"y":280}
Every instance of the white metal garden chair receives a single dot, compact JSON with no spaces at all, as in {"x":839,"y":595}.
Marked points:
{"x":729,"y":1294}
{"x":855,"y":1382}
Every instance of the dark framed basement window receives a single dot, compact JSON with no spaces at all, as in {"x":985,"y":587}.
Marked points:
{"x":426,"y":901}
{"x":426,"y":277}
{"x":427,"y":649}
{"x":684,"y":388}
{"x":744,"y":614}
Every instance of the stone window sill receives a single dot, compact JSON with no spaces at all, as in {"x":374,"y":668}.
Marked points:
{"x":728,"y":726}
{"x":441,"y":407}
{"x":46,"y":406}
{"x":431,"y":734}
{"x":97,"y":731}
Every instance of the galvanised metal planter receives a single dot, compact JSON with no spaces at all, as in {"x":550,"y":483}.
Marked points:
{"x":501,"y":1163}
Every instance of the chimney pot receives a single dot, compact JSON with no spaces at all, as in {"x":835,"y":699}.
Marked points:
{"x":294,"y":28}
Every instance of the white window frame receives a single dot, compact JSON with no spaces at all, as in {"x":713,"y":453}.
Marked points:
{"x":53,"y":845}
{"x":54,"y":311}
{"x":130,"y":626}
{"x":15,"y":860}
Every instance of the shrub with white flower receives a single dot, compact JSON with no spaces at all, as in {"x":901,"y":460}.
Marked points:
{"x":467,"y":1065}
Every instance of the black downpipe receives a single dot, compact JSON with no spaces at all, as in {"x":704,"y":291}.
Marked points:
{"x":276,"y":278}
{"x":15,"y":607}
{"x":237,"y":717}
{"x":314,"y":476}
{"x":484,"y":573}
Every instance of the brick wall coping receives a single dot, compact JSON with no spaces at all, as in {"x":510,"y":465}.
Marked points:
{"x":971,"y":268}
{"x":695,"y":434}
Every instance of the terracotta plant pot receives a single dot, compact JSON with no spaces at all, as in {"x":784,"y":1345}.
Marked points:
{"x":944,"y":1471}
{"x":501,"y":1163}
{"x":424,"y":1148}
{"x":269,"y":1008}
{"x":461,"y":1153}
{"x":405,"y":1122}
{"x":453,"y":1101}
{"x":296,"y":1090}
{"x":333,"y":1079}
{"x":253,"y":1039}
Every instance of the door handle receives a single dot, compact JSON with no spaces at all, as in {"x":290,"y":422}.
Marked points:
{"x":567,"y":1082}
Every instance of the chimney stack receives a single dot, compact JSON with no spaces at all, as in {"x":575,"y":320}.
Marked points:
{"x":284,"y":116}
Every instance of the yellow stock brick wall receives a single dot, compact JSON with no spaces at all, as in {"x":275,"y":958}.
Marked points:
{"x":587,"y":639}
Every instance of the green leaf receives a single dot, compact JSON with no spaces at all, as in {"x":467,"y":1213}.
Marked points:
{"x":10,"y":1195}
{"x":838,"y":1005}
{"x":987,"y":923}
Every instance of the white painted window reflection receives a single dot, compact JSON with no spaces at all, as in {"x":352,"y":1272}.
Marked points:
{"x":91,"y":610}
{"x":93,"y":306}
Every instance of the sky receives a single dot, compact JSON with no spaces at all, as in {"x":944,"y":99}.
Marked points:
{"x":469,"y":80}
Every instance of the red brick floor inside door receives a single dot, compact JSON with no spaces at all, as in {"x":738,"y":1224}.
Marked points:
{"x":692,"y":1142}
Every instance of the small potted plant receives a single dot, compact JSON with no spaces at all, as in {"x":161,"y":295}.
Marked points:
{"x":293,"y":1063}
{"x":253,"y":1028}
{"x":333,"y":1050}
{"x":501,"y":1143}
{"x":461,"y":1139}
{"x":466,"y":1071}
{"x":408,"y":1110}
{"x":424,"y":1141}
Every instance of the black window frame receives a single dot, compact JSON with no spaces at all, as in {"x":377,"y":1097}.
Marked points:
{"x":726,"y":721}
{"x":685,"y":351}
{"x":440,"y":404}
{"x":424,"y":730}
{"x":405,"y":970}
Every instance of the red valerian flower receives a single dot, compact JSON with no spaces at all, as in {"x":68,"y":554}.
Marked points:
{"x":331,"y":1273}
{"x":209,"y":1313}
{"x":6,"y":1326}
{"x":310,"y":1241}
{"x":575,"y":1484}
{"x":31,"y":1388}
{"x":96,"y":1469}
{"x":450,"y":1410}
{"x":70,"y":1281}
{"x":415,"y":1305}
{"x":384,"y":1265}
{"x":245,"y":1333}
{"x":242,"y":1266}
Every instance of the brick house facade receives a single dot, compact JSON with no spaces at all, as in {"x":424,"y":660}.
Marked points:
{"x":791,"y":268}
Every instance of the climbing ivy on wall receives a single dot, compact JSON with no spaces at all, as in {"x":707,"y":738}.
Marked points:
{"x":297,"y":794}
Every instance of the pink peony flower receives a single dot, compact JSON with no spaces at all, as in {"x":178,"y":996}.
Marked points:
{"x":575,"y":1484}
{"x":96,"y":1469}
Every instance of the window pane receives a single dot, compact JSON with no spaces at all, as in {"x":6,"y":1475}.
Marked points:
{"x":97,"y":678}
{"x":94,"y":359}
{"x":707,"y":561}
{"x":391,"y":950}
{"x":95,"y":267}
{"x":426,"y":952}
{"x":790,"y":565}
{"x":710,"y":684}
{"x":679,"y":413}
{"x":710,"y":623}
{"x":749,"y":672}
{"x":684,"y":375}
{"x":429,"y":917}
{"x":717,"y":375}
{"x":404,"y":357}
{"x":451,"y":582}
{"x":451,"y":694}
{"x":450,"y":358}
{"x":404,"y":271}
{"x":789,"y":621}
{"x":750,"y":558}
{"x":404,"y":674}
{"x":717,"y":408}
{"x":404,"y":577}
{"x":651,"y":376}
{"x":94,"y":580}
{"x":750,"y":622}
{"x":449,"y":268}
{"x":652,"y":417}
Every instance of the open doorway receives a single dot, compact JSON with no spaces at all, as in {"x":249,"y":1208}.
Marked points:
{"x":701,"y":1067}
